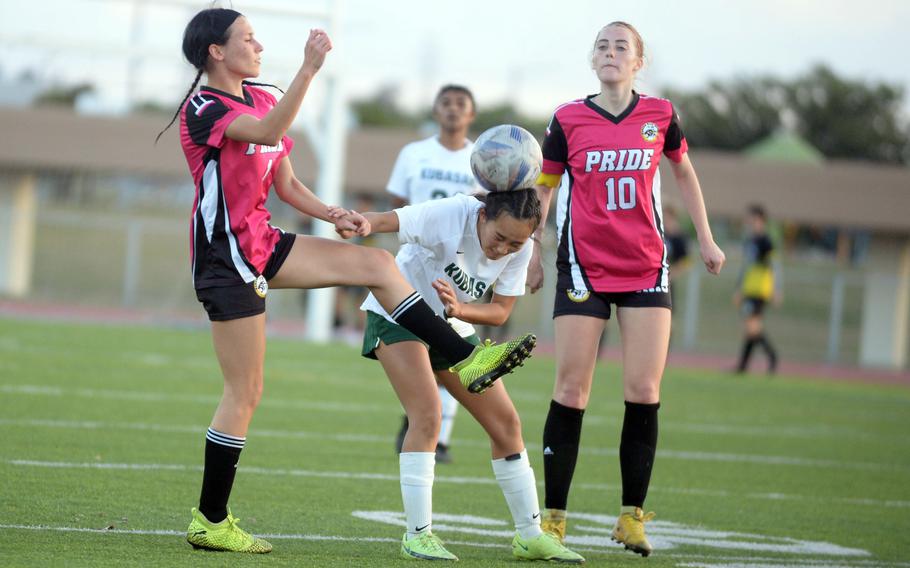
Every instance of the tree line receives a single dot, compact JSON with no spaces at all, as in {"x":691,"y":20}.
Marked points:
{"x":842,"y":118}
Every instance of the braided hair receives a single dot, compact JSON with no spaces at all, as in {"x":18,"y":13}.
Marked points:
{"x":522,"y":204}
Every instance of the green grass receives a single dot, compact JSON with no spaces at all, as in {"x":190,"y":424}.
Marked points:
{"x":775,"y":461}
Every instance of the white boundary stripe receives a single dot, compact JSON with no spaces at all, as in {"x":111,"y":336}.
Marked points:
{"x":458,"y":480}
{"x":145,"y":396}
{"x":594,"y":530}
{"x":709,"y":560}
{"x":163,"y":532}
{"x":798,"y":432}
{"x":367,"y":438}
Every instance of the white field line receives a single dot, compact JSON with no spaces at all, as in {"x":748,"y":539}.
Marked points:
{"x":458,"y":480}
{"x":687,"y":559}
{"x":797,"y":432}
{"x":589,"y":450}
{"x":143,"y":396}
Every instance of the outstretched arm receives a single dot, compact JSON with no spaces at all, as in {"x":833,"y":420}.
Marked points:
{"x":293,"y":192}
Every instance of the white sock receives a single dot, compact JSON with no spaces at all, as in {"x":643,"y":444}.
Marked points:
{"x":416,"y":473}
{"x":516,"y":479}
{"x":449,"y":408}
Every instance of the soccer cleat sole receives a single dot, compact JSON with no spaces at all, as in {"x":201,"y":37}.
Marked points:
{"x":411,"y":555}
{"x":515,"y":359}
{"x":637,"y":550}
{"x":553,"y":560}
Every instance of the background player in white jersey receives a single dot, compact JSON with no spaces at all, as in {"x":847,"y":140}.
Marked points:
{"x":453,"y":250}
{"x":434,"y":168}
{"x":611,"y":251}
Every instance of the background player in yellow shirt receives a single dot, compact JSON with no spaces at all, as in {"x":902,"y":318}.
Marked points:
{"x":757,"y":285}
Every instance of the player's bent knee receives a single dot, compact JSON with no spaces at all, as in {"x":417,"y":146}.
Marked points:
{"x":507,"y":430}
{"x":381,"y":259}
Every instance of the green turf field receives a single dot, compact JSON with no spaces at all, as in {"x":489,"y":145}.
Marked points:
{"x":102,"y":432}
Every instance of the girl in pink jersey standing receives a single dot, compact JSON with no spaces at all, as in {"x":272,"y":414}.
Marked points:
{"x":234,"y":137}
{"x":611,"y":251}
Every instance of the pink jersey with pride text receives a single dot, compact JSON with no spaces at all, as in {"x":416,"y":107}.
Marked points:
{"x":231,"y":239}
{"x":611,"y":234}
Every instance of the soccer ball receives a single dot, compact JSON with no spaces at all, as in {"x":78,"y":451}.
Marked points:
{"x":506,"y":157}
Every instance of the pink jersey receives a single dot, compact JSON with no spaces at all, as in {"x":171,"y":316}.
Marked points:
{"x":611,"y":234}
{"x":231,"y":238}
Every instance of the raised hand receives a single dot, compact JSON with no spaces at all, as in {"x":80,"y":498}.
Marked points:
{"x":317,"y":46}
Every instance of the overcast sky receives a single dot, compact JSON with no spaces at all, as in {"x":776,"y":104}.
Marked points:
{"x":531,"y":52}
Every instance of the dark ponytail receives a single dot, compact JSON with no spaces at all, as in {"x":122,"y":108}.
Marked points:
{"x":206,"y":28}
{"x":522,"y":204}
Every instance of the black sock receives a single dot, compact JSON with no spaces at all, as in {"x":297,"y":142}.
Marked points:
{"x":222,"y":452}
{"x":746,"y":353}
{"x":769,"y":349}
{"x":416,"y":316}
{"x":561,"y":435}
{"x":636,"y":451}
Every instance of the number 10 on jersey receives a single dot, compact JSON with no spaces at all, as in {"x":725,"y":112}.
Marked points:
{"x":626,"y":189}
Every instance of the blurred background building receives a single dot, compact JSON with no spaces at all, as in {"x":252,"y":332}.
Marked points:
{"x":93,"y":216}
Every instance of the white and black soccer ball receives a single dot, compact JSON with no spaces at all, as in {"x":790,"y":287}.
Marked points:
{"x":506,"y":157}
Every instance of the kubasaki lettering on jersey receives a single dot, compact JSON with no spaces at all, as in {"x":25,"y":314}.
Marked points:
{"x":444,"y":175}
{"x":467,"y":284}
{"x":263,"y":149}
{"x":618,"y":160}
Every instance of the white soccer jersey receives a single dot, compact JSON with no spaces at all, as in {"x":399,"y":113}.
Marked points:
{"x":439,"y":240}
{"x":428,"y":170}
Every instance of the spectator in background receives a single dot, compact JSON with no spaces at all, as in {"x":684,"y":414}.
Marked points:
{"x":758,"y":283}
{"x":435,"y":168}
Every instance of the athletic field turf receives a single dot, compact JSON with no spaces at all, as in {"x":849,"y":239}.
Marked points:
{"x":102,"y":433}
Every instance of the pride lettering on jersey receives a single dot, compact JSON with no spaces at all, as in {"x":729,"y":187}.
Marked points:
{"x":467,"y":284}
{"x":445,"y":175}
{"x":619,"y":161}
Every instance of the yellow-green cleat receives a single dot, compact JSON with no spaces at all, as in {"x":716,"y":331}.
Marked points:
{"x":488,"y":362}
{"x":544,"y":547}
{"x":425,"y":546}
{"x":630,"y":531}
{"x":554,"y":522}
{"x":225,"y":536}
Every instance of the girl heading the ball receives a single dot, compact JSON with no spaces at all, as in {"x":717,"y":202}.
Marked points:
{"x":453,"y":250}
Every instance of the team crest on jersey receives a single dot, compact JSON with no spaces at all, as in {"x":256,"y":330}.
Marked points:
{"x":261,"y":286}
{"x":649,"y":132}
{"x":578,"y":296}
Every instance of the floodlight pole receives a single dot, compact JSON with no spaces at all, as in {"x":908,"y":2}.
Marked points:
{"x":328,"y":143}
